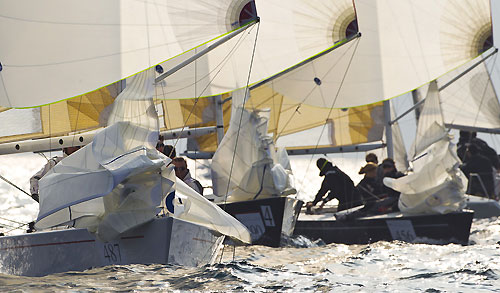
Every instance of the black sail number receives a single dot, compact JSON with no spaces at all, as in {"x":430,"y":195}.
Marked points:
{"x":112,"y":252}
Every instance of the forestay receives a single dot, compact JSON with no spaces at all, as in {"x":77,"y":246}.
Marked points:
{"x":119,"y":180}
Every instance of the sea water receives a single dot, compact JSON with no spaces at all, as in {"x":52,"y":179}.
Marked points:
{"x":302,"y":265}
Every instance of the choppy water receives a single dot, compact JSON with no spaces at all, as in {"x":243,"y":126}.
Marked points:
{"x":302,"y":266}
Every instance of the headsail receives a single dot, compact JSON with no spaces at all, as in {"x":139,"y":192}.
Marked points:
{"x":119,"y":180}
{"x":246,"y":164}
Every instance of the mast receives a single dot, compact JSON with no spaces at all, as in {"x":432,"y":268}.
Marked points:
{"x":219,"y":119}
{"x":388,"y":129}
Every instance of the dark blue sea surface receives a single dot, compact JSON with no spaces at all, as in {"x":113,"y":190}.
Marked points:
{"x":305,"y":266}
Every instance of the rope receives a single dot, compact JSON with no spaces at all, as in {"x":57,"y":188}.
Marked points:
{"x":331,"y":109}
{"x":241,"y":116}
{"x":12,"y":184}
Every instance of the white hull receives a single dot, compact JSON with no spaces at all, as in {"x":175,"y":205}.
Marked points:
{"x":161,"y":241}
{"x":483,"y":207}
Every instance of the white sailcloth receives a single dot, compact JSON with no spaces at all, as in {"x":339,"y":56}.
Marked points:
{"x":472,"y":99}
{"x":430,"y":127}
{"x":404,"y":44}
{"x":436,"y":184}
{"x":62,"y":49}
{"x":257,"y":170}
{"x":119,"y":180}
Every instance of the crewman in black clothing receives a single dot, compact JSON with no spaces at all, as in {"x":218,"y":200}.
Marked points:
{"x":476,"y":163}
{"x":389,"y":170}
{"x":468,"y":137}
{"x":338,"y":184}
{"x":369,"y":188}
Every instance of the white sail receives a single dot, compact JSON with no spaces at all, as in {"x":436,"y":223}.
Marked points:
{"x":119,"y":180}
{"x":471,"y":100}
{"x":246,"y":164}
{"x":436,"y":184}
{"x":404,"y":44}
{"x":56,"y":49}
{"x":430,"y":128}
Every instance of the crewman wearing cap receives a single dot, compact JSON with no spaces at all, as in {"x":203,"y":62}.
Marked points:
{"x":369,"y":188}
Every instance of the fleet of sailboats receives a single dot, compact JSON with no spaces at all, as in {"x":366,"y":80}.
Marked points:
{"x":127,"y":70}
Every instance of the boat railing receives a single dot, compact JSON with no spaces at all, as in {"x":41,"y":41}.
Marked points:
{"x":478,"y":177}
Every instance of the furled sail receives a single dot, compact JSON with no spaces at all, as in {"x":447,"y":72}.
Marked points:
{"x":119,"y":180}
{"x":246,"y":164}
{"x":63,"y":49}
{"x":404,"y":44}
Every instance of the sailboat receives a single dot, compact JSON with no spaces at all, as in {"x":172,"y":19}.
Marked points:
{"x":116,"y":200}
{"x":360,"y":70}
{"x":393,"y":52}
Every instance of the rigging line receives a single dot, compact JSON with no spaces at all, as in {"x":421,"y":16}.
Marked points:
{"x":41,"y":154}
{"x":226,"y":58}
{"x":310,"y":93}
{"x":331,"y":108}
{"x":222,"y":63}
{"x":241,"y":116}
{"x":16,"y":228}
{"x":9,"y":220}
{"x":15,"y":186}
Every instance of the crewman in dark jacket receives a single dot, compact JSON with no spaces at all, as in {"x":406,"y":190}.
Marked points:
{"x":467,"y":138}
{"x":369,"y":187}
{"x":338,"y":184}
{"x":476,"y":163}
{"x":389,"y":170}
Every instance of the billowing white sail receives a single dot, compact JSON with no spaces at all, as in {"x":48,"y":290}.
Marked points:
{"x":119,"y":180}
{"x":436,"y":184}
{"x":246,"y":165}
{"x":404,"y":44}
{"x":56,"y":49}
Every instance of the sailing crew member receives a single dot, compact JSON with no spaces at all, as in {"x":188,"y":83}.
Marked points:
{"x":476,"y":163}
{"x":50,"y":164}
{"x":372,"y":158}
{"x":182,"y":172}
{"x":169,"y":151}
{"x":389,"y":170}
{"x":369,"y":188}
{"x":468,"y":137}
{"x":338,"y":184}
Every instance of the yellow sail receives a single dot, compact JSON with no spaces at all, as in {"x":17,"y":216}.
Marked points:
{"x":82,"y":113}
